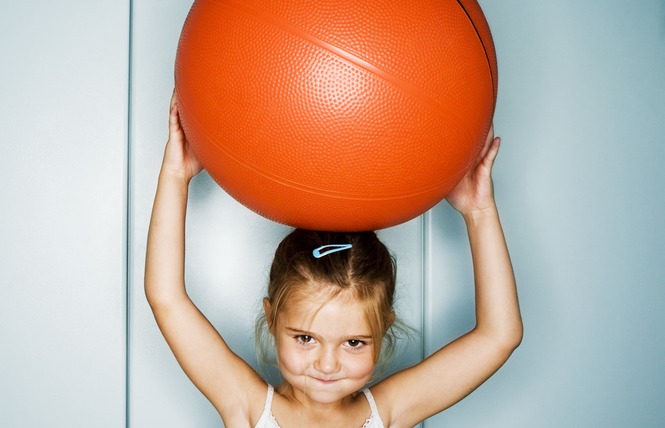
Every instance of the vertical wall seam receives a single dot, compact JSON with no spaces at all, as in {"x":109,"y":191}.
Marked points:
{"x":426,"y":283}
{"x":425,"y":231}
{"x":128,"y":213}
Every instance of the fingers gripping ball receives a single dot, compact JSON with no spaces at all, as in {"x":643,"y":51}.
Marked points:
{"x":338,"y":115}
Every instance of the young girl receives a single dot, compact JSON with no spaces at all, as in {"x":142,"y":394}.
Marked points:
{"x":329,"y":309}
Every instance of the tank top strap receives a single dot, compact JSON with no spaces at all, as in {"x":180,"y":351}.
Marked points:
{"x":269,"y":395}
{"x":370,"y":400}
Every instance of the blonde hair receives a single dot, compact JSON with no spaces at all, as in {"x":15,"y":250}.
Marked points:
{"x":366,"y":271}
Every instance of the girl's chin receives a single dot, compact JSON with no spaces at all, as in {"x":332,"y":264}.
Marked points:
{"x":319,"y":390}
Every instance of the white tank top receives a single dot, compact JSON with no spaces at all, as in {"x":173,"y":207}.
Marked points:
{"x":267,"y":420}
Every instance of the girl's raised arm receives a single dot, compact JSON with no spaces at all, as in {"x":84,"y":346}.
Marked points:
{"x":457,"y":369}
{"x":231,"y":385}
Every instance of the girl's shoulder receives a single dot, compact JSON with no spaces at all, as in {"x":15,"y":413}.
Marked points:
{"x":247,"y":406}
{"x":267,"y":420}
{"x":380,"y":399}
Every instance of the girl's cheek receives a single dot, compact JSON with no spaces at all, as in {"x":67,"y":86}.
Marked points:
{"x":294,"y":360}
{"x":361,"y":367}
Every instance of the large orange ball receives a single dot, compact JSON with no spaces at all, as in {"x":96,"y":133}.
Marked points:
{"x":339,"y":115}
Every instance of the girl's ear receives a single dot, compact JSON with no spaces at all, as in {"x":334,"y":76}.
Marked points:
{"x":266,"y":310}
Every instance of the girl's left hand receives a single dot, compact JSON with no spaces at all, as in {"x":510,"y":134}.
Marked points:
{"x":475,"y":193}
{"x":179,"y":158}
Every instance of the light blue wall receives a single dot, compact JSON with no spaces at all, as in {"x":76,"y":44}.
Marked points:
{"x":579,"y":183}
{"x":581,"y":111}
{"x":63,"y":118}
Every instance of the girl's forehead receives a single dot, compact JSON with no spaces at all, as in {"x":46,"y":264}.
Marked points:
{"x":318,"y":296}
{"x":324,"y":312}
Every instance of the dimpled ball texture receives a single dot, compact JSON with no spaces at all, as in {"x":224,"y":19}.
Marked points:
{"x":340,"y":115}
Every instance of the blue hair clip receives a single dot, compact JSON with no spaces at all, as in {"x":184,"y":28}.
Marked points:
{"x":324,"y":250}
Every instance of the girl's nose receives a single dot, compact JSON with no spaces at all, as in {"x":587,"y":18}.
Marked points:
{"x":327,"y":361}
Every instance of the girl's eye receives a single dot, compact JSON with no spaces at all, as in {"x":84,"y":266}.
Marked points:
{"x":354,"y":343}
{"x":304,"y":339}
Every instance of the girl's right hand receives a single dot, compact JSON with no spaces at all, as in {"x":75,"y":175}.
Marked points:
{"x":179,"y":158}
{"x":475,"y":193}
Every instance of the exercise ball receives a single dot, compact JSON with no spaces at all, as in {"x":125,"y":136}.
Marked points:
{"x":340,"y":115}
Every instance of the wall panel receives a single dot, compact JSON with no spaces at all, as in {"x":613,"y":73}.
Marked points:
{"x":63,"y":113}
{"x":581,"y":107}
{"x":229,"y":248}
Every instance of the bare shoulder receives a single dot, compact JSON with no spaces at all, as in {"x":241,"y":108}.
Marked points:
{"x":246,"y":406}
{"x":399,"y":397}
{"x":389,"y":396}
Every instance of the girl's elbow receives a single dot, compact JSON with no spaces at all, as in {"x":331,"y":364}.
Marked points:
{"x":517,"y":336}
{"x":507,"y":342}
{"x":509,"y":338}
{"x":160,"y":298}
{"x":512,"y":338}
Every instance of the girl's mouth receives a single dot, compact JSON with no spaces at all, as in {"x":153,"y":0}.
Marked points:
{"x":326,"y":381}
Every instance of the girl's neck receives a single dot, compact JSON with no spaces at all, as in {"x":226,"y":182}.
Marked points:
{"x":300,"y":399}
{"x":296,"y":409}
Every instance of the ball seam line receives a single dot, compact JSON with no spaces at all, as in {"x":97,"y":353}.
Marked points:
{"x":350,"y":58}
{"x":303,"y":187}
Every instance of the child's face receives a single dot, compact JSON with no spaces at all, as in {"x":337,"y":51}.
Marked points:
{"x":324,"y":347}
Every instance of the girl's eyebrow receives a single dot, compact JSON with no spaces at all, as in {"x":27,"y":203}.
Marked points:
{"x":309,"y":333}
{"x":297,"y":331}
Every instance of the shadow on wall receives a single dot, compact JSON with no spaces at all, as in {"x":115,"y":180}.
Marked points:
{"x":662,"y":18}
{"x":449,"y":231}
{"x":204,"y":188}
